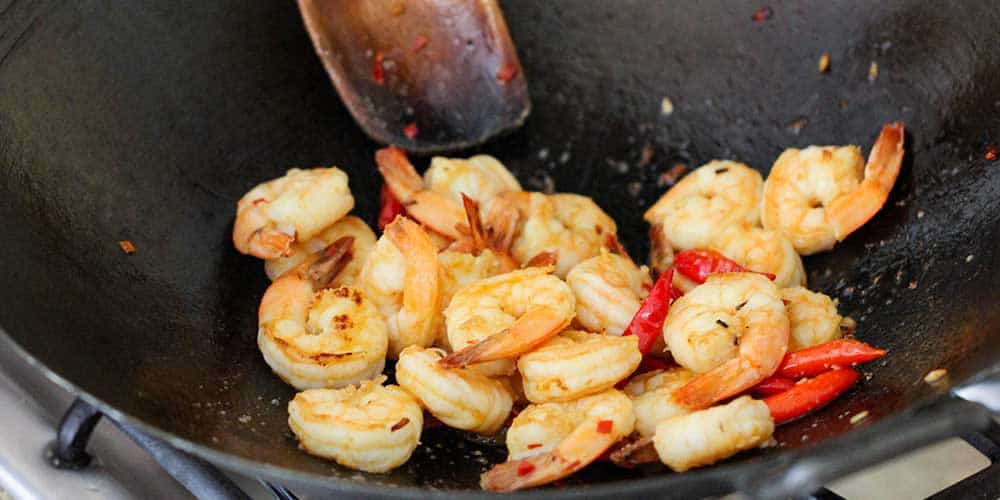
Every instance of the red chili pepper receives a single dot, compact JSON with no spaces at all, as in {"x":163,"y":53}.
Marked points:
{"x":507,"y":72}
{"x":525,"y":468}
{"x":411,"y":130}
{"x":604,"y":426}
{"x":698,"y":264}
{"x":814,"y":360}
{"x":772,"y":385}
{"x":675,"y":293}
{"x":378,"y":72}
{"x":391,"y":207}
{"x":647,"y":323}
{"x":419,"y":43}
{"x":810,"y":395}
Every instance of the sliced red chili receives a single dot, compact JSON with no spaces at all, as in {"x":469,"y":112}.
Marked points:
{"x":699,"y":264}
{"x":507,"y":72}
{"x":647,"y":323}
{"x":378,"y":71}
{"x":772,"y":385}
{"x":605,"y":426}
{"x":391,"y":207}
{"x":814,"y":360}
{"x":419,"y":43}
{"x":525,"y":468}
{"x":532,"y":446}
{"x":810,"y":395}
{"x":399,"y":425}
{"x":411,"y":130}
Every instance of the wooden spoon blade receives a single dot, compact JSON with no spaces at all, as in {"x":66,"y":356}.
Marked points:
{"x":425,"y":75}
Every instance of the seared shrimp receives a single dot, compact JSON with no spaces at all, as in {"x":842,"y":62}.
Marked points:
{"x":715,"y":195}
{"x":762,"y":251}
{"x":504,"y":316}
{"x":652,"y":395}
{"x":813,"y":318}
{"x":373,"y":428}
{"x":819,"y":195}
{"x":363,"y":241}
{"x":481,"y":177}
{"x":541,"y":453}
{"x":707,"y":436}
{"x":460,"y":398}
{"x":575,"y":364}
{"x":401,"y":276}
{"x":459,"y":270}
{"x":570,"y":225}
{"x":732,"y":330}
{"x":313,"y":337}
{"x":272,"y":216}
{"x":609,"y":289}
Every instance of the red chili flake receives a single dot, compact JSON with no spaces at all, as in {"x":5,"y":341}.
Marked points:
{"x":399,"y":425}
{"x":507,"y":72}
{"x":258,"y":200}
{"x":991,"y":153}
{"x":525,"y":468}
{"x":762,"y":14}
{"x":411,"y":130}
{"x":378,"y":72}
{"x":604,"y":426}
{"x":532,"y":446}
{"x":419,"y":43}
{"x":127,"y":246}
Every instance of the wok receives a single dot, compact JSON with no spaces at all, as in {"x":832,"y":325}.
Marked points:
{"x":146,"y":121}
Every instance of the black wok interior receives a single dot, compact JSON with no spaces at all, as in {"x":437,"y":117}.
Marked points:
{"x":146,"y":121}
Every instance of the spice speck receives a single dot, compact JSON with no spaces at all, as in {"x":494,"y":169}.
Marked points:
{"x":935,"y":375}
{"x":127,"y":246}
{"x":762,"y":14}
{"x":873,"y":71}
{"x":857,"y":417}
{"x":666,"y":106}
{"x":824,"y":62}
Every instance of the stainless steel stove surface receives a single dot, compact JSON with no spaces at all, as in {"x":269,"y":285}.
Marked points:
{"x":31,"y":406}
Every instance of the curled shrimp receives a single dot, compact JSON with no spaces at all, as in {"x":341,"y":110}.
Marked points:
{"x":819,"y":195}
{"x":813,"y":318}
{"x":598,"y":422}
{"x":732,"y":330}
{"x":459,"y":270}
{"x":714,"y":195}
{"x":431,"y":208}
{"x":401,"y":277}
{"x":313,"y":337}
{"x":762,"y":251}
{"x":460,"y":398}
{"x":274,"y":215}
{"x":574,"y":364}
{"x":504,"y":316}
{"x":609,"y":289}
{"x":707,"y":436}
{"x":480,"y":177}
{"x":652,"y":395}
{"x":373,"y":428}
{"x":363,"y":241}
{"x":571,"y":226}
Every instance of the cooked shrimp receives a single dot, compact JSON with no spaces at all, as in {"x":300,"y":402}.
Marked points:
{"x":575,"y":364}
{"x":481,"y":177}
{"x":732,"y":330}
{"x":652,"y":395}
{"x":505,"y":316}
{"x":459,"y":270}
{"x":547,"y":452}
{"x":373,"y":428}
{"x":707,"y":436}
{"x":819,"y":195}
{"x":272,"y":216}
{"x":313,"y":337}
{"x":813,"y":318}
{"x":715,"y":195}
{"x":401,"y":276}
{"x":570,"y":225}
{"x":431,"y":208}
{"x":609,"y":289}
{"x":364,"y":240}
{"x":460,"y":398}
{"x":762,"y":251}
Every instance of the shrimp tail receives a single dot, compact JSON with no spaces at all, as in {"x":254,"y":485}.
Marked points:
{"x":271,"y":242}
{"x":543,"y":259}
{"x":335,"y":257}
{"x":421,"y":284}
{"x":429,"y":207}
{"x":638,"y":452}
{"x":584,"y":445}
{"x":501,"y":223}
{"x":531,"y":329}
{"x":849,"y":213}
{"x":728,"y":379}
